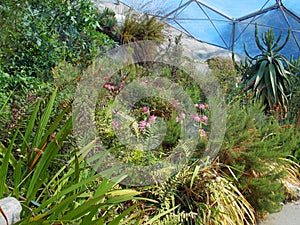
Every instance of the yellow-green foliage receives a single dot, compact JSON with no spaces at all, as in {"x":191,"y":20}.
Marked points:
{"x":137,"y":28}
{"x":204,"y":196}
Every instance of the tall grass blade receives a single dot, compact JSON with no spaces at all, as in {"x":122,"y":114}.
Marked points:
{"x":4,"y":165}
{"x":29,"y":128}
{"x":118,"y":219}
{"x":44,"y":121}
{"x":42,"y":166}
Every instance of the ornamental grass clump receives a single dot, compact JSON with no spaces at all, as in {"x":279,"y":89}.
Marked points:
{"x":203,"y":195}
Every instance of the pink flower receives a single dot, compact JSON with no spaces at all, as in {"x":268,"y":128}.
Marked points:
{"x":204,"y":119}
{"x":115,"y":125}
{"x":109,"y":87}
{"x":121,"y":87}
{"x":183,"y":116}
{"x":202,"y":133}
{"x":197,"y":119}
{"x":193,"y":115}
{"x":175,"y":104}
{"x":143,"y":125}
{"x":201,"y":106}
{"x":146,"y":109}
{"x":177,"y":119}
{"x":152,"y":118}
{"x":196,"y":105}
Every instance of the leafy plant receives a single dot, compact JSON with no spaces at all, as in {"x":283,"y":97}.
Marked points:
{"x":44,"y":33}
{"x":223,"y":69}
{"x":108,"y":24}
{"x":137,"y":28}
{"x":203,"y":195}
{"x":268,"y":75}
{"x":74,"y":193}
{"x":295,"y":98}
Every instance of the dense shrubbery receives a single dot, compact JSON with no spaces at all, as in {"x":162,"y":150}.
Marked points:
{"x":45,"y":49}
{"x":253,"y":146}
{"x":37,"y":35}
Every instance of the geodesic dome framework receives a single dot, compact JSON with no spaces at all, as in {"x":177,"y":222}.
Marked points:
{"x":228,"y":23}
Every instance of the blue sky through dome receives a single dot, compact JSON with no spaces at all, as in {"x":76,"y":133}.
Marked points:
{"x":227,"y":23}
{"x":238,"y":8}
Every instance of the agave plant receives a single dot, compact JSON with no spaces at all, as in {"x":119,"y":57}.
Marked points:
{"x":269,"y":73}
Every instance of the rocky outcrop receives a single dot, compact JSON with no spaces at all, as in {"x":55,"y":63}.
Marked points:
{"x":10,"y":209}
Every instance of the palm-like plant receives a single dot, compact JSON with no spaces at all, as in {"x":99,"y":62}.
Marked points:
{"x":268,"y":74}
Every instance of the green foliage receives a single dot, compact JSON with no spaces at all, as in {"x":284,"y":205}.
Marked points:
{"x":44,"y":33}
{"x":253,"y":144}
{"x":164,"y":109}
{"x":17,"y":95}
{"x":108,"y":24}
{"x":5,"y":96}
{"x":203,"y":196}
{"x":295,"y":96}
{"x":71,"y":194}
{"x":223,"y":69}
{"x":66,"y":77}
{"x":268,"y":75}
{"x":138,"y":28}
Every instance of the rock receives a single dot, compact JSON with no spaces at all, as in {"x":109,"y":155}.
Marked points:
{"x":12,"y":208}
{"x":293,"y":189}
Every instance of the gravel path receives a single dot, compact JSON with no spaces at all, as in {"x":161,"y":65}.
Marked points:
{"x":289,"y":215}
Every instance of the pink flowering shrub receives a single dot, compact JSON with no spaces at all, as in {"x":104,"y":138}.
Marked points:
{"x":148,"y":113}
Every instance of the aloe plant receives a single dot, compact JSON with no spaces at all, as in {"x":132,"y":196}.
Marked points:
{"x":269,"y":73}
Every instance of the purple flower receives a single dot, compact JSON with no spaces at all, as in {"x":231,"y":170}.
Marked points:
{"x":121,"y":87}
{"x":152,"y":118}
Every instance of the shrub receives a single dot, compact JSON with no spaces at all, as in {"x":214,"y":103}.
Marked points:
{"x":44,"y":33}
{"x":143,"y":27}
{"x":253,"y":144}
{"x":223,"y":69}
{"x":295,"y":97}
